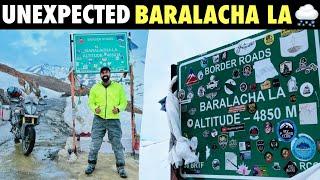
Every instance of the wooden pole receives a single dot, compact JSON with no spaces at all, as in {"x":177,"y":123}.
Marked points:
{"x":133,"y":125}
{"x":73,"y":113}
{"x":72,"y":87}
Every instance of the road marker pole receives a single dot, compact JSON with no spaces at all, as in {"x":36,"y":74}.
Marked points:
{"x":72,"y":87}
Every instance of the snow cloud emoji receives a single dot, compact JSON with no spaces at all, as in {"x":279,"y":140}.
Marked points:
{"x":307,"y":15}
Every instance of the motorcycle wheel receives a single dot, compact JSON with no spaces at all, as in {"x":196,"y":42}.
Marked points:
{"x":29,"y":140}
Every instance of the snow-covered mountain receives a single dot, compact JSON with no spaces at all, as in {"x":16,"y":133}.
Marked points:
{"x":57,"y":71}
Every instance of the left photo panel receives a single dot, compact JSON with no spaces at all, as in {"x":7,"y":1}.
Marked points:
{"x":71,"y":103}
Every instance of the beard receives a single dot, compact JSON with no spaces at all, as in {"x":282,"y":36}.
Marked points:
{"x":105,"y":78}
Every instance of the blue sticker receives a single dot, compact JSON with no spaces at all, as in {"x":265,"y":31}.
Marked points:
{"x":286,"y":130}
{"x":204,"y":63}
{"x":303,"y":147}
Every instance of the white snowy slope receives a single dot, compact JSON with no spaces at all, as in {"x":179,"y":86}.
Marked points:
{"x":153,"y":160}
{"x":7,"y":80}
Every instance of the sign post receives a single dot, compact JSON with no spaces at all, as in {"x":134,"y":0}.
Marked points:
{"x":72,"y":88}
{"x":251,"y":107}
{"x":133,"y":125}
{"x":93,"y":51}
{"x":135,"y":143}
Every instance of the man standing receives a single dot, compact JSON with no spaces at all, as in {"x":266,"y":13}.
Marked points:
{"x":107,"y":99}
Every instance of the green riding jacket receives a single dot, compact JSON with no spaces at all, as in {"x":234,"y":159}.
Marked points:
{"x":107,"y":98}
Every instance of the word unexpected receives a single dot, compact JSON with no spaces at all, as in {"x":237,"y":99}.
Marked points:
{"x":60,"y":14}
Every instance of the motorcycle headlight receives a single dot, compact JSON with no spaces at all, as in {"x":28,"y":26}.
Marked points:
{"x":30,"y":109}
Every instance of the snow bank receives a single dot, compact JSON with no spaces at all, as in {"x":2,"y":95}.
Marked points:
{"x":83,"y":114}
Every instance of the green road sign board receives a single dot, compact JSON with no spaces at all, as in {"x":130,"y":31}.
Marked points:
{"x":93,"y":51}
{"x":252,"y":106}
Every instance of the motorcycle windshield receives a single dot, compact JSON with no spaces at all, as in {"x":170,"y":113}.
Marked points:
{"x":31,"y":98}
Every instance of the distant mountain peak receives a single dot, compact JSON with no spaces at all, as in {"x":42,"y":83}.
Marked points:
{"x":59,"y":72}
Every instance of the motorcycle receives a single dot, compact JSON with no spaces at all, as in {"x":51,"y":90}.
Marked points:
{"x":25,"y":116}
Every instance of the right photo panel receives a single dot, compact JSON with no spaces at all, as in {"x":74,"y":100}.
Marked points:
{"x":231,"y":104}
